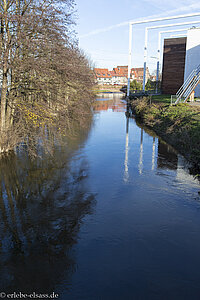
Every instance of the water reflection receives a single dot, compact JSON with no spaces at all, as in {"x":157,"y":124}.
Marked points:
{"x":153,"y":153}
{"x":167,"y":156}
{"x":136,"y":247}
{"x":42,"y":205}
{"x":114,"y":103}
{"x":126,"y":175}
{"x":132,"y":247}
{"x":140,"y":166}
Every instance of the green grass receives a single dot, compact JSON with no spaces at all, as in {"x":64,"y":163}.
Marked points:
{"x":101,"y":91}
{"x":161,"y":99}
{"x":165,"y":99}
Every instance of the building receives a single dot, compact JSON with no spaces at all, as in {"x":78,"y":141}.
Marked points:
{"x":119,"y":75}
{"x":153,"y":77}
{"x":103,"y":76}
{"x":137,"y":74}
{"x":192,"y":59}
{"x":173,"y":64}
{"x":180,"y":57}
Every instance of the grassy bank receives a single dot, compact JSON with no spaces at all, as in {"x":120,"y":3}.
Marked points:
{"x":161,"y":99}
{"x":107,"y":88}
{"x":177,"y":125}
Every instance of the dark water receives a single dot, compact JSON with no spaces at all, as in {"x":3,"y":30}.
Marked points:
{"x":114,"y":215}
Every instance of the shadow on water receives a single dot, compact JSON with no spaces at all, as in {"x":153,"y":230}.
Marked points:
{"x":42,"y":205}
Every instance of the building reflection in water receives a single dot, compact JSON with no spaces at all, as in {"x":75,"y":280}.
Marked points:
{"x":126,"y":174}
{"x":115,"y":104}
{"x":183,"y":175}
{"x":153,"y":154}
{"x":167,"y":157}
{"x":163,"y":155}
{"x":140,"y":166}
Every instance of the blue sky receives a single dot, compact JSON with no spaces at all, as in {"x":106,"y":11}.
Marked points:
{"x":102,"y":28}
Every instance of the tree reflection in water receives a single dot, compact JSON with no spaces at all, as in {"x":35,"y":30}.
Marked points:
{"x":42,"y":204}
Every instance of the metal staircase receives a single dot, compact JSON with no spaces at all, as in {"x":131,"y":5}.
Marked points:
{"x":188,"y":86}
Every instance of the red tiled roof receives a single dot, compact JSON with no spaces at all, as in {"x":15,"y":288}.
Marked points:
{"x":120,"y":72}
{"x":102,"y":73}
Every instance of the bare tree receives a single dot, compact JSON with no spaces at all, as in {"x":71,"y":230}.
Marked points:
{"x":46,"y":79}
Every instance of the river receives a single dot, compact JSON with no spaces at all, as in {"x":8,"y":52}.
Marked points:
{"x":115,"y":214}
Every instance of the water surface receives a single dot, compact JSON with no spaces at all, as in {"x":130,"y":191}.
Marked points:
{"x":114,"y":215}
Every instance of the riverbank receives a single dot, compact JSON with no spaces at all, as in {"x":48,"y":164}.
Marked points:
{"x":107,"y":88}
{"x":177,"y":125}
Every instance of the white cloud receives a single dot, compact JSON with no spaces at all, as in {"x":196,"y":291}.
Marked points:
{"x":190,"y":6}
{"x":94,"y":32}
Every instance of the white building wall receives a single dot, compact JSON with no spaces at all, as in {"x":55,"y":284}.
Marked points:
{"x":119,"y":80}
{"x":104,"y":80}
{"x":192,"y":59}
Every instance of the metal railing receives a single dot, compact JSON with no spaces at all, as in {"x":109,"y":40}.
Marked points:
{"x":188,"y":86}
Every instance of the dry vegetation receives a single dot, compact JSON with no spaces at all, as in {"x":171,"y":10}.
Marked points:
{"x":45,"y":78}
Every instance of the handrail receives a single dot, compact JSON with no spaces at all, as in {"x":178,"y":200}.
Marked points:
{"x":185,"y":87}
{"x":196,"y":82}
{"x":192,"y":87}
{"x":188,"y":79}
{"x":189,"y":85}
{"x":185,"y":83}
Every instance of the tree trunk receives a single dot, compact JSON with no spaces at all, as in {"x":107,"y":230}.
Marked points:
{"x":3,"y":101}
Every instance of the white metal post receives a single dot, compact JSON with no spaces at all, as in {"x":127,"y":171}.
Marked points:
{"x":159,"y":42}
{"x":129,"y":59}
{"x":173,"y":25}
{"x":158,"y":62}
{"x":149,"y":21}
{"x":177,"y":35}
{"x":166,"y":18}
{"x":145,"y":58}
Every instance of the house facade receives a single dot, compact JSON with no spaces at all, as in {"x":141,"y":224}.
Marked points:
{"x":119,"y":75}
{"x":137,"y":74}
{"x":103,"y":76}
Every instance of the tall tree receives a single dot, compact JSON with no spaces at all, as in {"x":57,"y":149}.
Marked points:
{"x":45,"y":77}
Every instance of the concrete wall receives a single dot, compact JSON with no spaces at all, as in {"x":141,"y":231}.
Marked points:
{"x":192,"y":54}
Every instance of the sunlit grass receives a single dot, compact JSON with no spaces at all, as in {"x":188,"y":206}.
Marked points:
{"x":162,"y":99}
